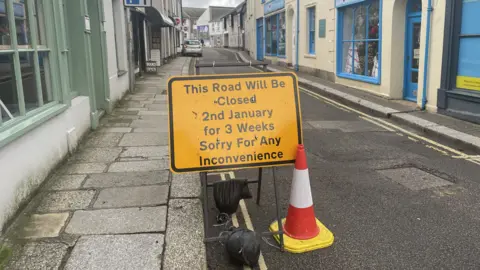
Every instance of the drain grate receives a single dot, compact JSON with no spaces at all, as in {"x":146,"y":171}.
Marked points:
{"x":414,"y":178}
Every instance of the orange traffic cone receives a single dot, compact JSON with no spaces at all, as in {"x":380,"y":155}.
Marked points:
{"x":301,"y":222}
{"x":303,"y":232}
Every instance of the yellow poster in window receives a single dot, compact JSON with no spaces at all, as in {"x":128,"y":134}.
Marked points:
{"x":470,"y":83}
{"x":233,"y":121}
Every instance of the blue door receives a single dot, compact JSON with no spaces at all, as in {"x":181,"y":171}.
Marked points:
{"x":260,"y":39}
{"x":412,"y":50}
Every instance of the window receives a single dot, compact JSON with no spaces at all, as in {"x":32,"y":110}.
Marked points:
{"x":358,"y":43}
{"x":275,"y":35}
{"x":25,"y":80}
{"x":117,"y":8}
{"x":311,"y":30}
{"x":468,"y":74}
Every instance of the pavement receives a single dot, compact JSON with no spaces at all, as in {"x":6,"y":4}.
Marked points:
{"x":114,"y":204}
{"x":464,"y":135}
{"x":395,"y":197}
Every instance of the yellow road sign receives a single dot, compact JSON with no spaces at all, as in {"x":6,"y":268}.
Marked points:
{"x":219,"y":122}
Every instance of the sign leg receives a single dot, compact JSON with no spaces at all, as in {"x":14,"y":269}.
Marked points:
{"x":203,"y":179}
{"x":259,"y":184}
{"x":279,"y":220}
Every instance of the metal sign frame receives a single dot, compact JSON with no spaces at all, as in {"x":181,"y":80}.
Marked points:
{"x":204,"y":175}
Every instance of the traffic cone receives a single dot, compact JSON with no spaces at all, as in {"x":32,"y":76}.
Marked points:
{"x":303,"y":232}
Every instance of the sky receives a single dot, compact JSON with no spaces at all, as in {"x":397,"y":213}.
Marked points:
{"x":203,"y":3}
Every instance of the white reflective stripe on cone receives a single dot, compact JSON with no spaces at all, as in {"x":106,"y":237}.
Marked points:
{"x":301,"y":194}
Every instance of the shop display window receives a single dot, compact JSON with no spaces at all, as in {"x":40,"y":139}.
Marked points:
{"x":275,"y":35}
{"x":359,"y":41}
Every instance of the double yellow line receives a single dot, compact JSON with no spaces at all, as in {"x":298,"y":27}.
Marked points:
{"x":441,"y":148}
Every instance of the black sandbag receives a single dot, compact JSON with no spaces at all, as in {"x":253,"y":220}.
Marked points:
{"x":243,"y":246}
{"x":227,"y":195}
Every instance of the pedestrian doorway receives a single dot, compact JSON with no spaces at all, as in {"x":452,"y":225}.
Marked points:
{"x":412,"y":49}
{"x":260,"y":39}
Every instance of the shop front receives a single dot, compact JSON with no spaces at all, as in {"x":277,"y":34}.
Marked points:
{"x":459,"y":93}
{"x":275,"y":30}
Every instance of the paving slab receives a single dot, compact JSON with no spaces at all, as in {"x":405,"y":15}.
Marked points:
{"x":38,"y":256}
{"x":44,"y":225}
{"x":105,"y":180}
{"x":118,"y":221}
{"x":66,"y":200}
{"x":84,"y":168}
{"x":115,"y":130}
{"x":149,"y":123}
{"x":132,"y":196}
{"x":149,"y":130}
{"x":185,"y":229}
{"x":117,"y":252}
{"x":152,"y":113}
{"x":157,"y":107}
{"x":139,"y":166}
{"x":102,"y":154}
{"x":146,"y":152}
{"x":65,"y":182}
{"x":99,"y":139}
{"x":185,"y":185}
{"x":144,"y":139}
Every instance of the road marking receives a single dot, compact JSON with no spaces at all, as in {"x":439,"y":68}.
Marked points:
{"x":393,"y":126}
{"x":438,"y":150}
{"x":248,"y":222}
{"x":378,"y":124}
{"x":413,"y":139}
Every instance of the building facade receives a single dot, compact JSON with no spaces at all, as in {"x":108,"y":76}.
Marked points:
{"x":210,"y":27}
{"x":234,"y":28}
{"x":190,"y":17}
{"x":391,"y":48}
{"x":63,"y":65}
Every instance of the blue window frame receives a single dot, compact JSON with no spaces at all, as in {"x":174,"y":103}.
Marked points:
{"x":359,"y":39}
{"x":311,"y":30}
{"x":275,"y":35}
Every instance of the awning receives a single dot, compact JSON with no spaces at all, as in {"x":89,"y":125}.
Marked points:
{"x":158,"y":18}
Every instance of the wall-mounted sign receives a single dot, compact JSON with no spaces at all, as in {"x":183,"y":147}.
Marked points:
{"x":273,"y":5}
{"x":322,"y":28}
{"x":138,"y":3}
{"x":341,"y":3}
{"x":87,"y":23}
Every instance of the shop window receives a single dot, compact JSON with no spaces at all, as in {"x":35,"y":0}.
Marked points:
{"x":275,"y":35}
{"x":25,"y":78}
{"x":311,"y":30}
{"x":468,"y":74}
{"x":359,"y":41}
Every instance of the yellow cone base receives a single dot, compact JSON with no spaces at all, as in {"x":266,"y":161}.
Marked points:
{"x":323,"y":240}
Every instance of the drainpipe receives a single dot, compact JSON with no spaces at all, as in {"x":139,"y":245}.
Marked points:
{"x":298,"y":31}
{"x":425,"y":65}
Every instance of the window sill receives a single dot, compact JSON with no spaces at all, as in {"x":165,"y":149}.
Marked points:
{"x":359,"y":78}
{"x":312,"y":56}
{"x":120,"y":73}
{"x":14,"y":130}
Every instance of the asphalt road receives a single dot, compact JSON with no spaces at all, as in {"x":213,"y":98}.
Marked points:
{"x":392,"y":200}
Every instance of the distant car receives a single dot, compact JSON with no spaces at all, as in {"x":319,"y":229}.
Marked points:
{"x":192,"y":47}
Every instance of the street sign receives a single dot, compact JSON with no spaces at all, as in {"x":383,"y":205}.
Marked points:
{"x":138,"y":3}
{"x":219,"y":122}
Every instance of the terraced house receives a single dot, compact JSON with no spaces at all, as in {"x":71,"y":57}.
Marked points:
{"x":420,"y":51}
{"x":64,"y":64}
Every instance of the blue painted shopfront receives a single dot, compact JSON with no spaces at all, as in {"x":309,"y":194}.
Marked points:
{"x":260,"y":48}
{"x":459,"y":92}
{"x":274,"y":42}
{"x":412,"y":49}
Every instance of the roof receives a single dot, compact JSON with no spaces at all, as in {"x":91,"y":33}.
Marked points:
{"x":192,"y":12}
{"x":216,"y":13}
{"x":238,"y":9}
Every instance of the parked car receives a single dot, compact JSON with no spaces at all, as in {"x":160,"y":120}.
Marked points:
{"x":192,"y":47}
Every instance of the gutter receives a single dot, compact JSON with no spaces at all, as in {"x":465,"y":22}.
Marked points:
{"x":425,"y":65}
{"x":298,"y":31}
